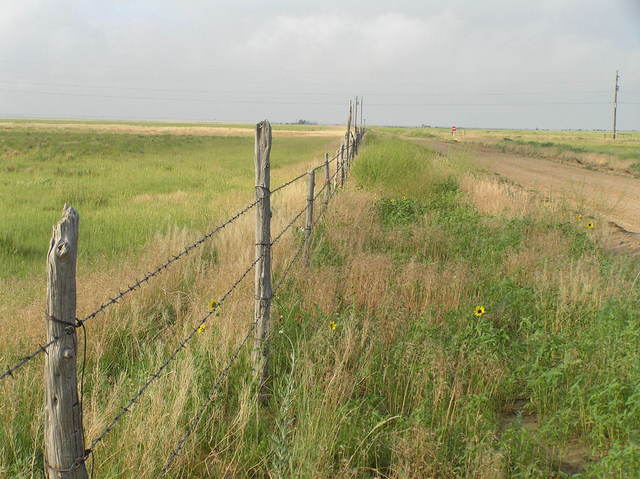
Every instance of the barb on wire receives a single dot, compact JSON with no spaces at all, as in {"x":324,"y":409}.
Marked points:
{"x":289,"y":225}
{"x":324,"y":187}
{"x":302,"y":175}
{"x":302,"y":211}
{"x":296,"y":256}
{"x":291,"y":181}
{"x":321,"y":165}
{"x":126,"y":408}
{"x":195,"y":422}
{"x":136,"y":285}
{"x":26,"y":359}
{"x":288,"y":268}
{"x":170,"y":261}
{"x":193,"y":425}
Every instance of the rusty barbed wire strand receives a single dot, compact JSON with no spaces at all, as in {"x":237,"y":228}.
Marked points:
{"x":321,"y":165}
{"x":195,"y":422}
{"x":301,"y":212}
{"x":136,"y":285}
{"x":152,"y":378}
{"x":182,"y":345}
{"x":224,"y":372}
{"x":300,"y":176}
{"x":289,"y":225}
{"x":296,"y":256}
{"x":291,"y":181}
{"x":26,"y":359}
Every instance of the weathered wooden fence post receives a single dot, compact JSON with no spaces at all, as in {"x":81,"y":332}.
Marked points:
{"x":263,"y":253}
{"x":342,"y":162}
{"x":336,"y":177}
{"x":309,"y":226}
{"x":327,"y":180}
{"x":63,"y":436}
{"x":354,"y":149}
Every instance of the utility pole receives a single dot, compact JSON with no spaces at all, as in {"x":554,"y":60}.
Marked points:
{"x":615,"y":104}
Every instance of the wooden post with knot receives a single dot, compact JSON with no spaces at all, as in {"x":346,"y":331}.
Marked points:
{"x":263,"y":291}
{"x":309,"y":224}
{"x":63,"y":433}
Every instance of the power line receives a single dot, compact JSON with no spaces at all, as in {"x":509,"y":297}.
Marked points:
{"x":245,"y":92}
{"x":275,"y":102}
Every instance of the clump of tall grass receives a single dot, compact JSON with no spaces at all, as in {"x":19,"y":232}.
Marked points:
{"x":381,"y":365}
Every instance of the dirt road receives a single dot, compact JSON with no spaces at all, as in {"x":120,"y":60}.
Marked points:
{"x":616,"y":198}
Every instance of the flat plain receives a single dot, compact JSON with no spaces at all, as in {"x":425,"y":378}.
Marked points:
{"x":452,"y":323}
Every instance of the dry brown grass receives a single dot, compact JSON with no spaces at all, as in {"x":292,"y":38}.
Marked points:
{"x":494,"y":197}
{"x":381,"y":297}
{"x":595,"y":160}
{"x":152,"y":321}
{"x":336,"y":132}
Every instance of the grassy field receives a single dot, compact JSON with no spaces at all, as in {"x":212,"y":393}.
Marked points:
{"x":155,"y":182}
{"x":413,"y":382}
{"x":592,"y":149}
{"x":213,"y":124}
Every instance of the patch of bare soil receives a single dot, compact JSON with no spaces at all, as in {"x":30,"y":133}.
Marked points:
{"x":624,"y":240}
{"x":610,"y":196}
{"x":171,"y":130}
{"x":622,"y":169}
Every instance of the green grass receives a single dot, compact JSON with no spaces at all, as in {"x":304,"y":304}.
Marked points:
{"x":410,"y":384}
{"x":570,"y":363}
{"x":621,"y":150}
{"x":126,"y":187}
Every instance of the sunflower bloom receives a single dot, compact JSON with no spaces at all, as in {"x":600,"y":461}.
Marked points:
{"x":579,"y":217}
{"x":478,"y":311}
{"x":333,"y":325}
{"x":212,"y":304}
{"x":590,"y":225}
{"x":202,"y":328}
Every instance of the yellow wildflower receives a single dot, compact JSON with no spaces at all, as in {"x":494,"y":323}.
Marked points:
{"x":212,"y":304}
{"x":478,"y":311}
{"x":202,"y":328}
{"x":333,"y":325}
{"x":590,"y":224}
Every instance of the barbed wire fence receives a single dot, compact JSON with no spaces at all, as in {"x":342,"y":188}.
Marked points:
{"x":65,"y":455}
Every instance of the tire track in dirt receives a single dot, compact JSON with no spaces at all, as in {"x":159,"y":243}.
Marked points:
{"x":614,"y":197}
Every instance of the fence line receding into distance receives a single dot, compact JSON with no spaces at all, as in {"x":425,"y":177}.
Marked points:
{"x":65,"y":454}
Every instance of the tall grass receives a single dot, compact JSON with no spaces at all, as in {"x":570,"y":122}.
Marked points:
{"x":116,"y":180}
{"x":410,"y":384}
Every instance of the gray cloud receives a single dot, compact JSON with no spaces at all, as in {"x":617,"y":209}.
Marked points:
{"x":501,"y":63}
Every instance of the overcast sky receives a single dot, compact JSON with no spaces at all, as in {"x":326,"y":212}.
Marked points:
{"x":489,"y":63}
